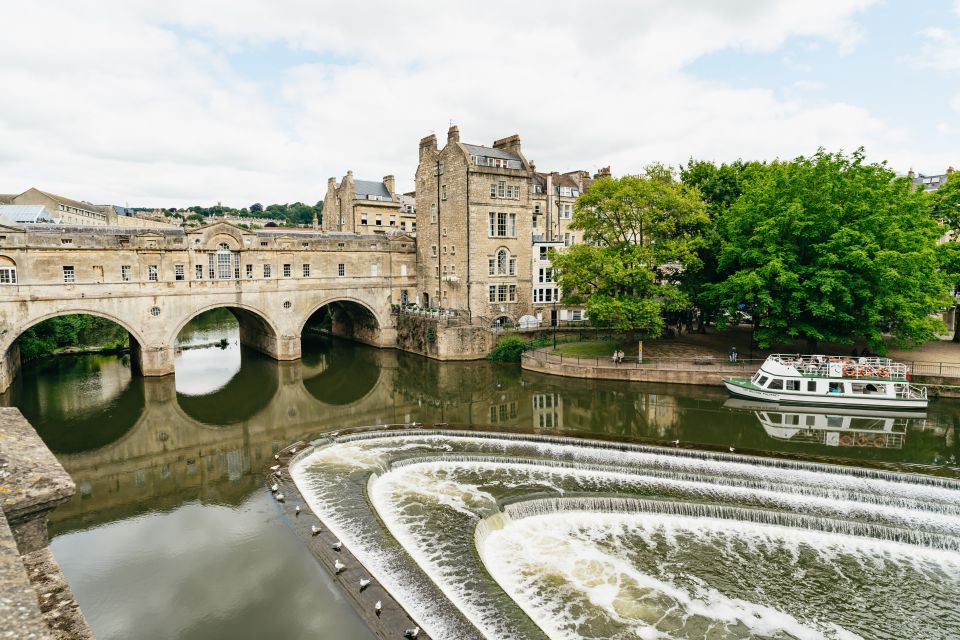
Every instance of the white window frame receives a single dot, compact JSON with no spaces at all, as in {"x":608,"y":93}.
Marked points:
{"x":8,"y":274}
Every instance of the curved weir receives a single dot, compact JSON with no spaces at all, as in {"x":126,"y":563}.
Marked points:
{"x":482,"y":535}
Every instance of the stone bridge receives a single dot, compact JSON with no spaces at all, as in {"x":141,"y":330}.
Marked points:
{"x":153,"y":281}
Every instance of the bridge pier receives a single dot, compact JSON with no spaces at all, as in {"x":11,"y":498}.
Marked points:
{"x":9,"y":366}
{"x":152,"y":360}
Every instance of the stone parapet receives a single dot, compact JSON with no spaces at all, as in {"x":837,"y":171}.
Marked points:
{"x":32,"y":484}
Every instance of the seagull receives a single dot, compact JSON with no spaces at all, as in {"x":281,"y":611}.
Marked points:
{"x":279,"y":497}
{"x":314,"y":529}
{"x":298,"y":510}
{"x":338,"y":566}
{"x":278,"y":473}
{"x":378,"y":607}
{"x":276,"y":456}
{"x":364,"y":583}
{"x":337,"y":545}
{"x":274,"y":467}
{"x":293,"y":451}
{"x":274,"y":487}
{"x":411,"y":633}
{"x":676,"y":443}
{"x":732,"y":449}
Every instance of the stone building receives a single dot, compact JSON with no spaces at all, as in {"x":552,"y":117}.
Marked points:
{"x":931,"y":182}
{"x":474,"y":228}
{"x":73,"y":212}
{"x":486,"y":220}
{"x":366,"y":206}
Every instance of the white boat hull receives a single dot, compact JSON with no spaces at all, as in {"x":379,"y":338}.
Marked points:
{"x":827,"y":400}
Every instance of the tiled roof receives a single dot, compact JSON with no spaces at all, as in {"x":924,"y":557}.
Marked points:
{"x":488,"y":152}
{"x":371,"y":187}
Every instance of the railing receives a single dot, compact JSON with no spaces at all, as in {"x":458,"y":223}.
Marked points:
{"x":697,"y":363}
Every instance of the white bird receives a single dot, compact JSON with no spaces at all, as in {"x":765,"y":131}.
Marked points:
{"x":378,"y":607}
{"x":339,"y":566}
{"x":732,"y":449}
{"x":276,"y":456}
{"x":274,"y":487}
{"x":279,"y":497}
{"x":676,"y":443}
{"x":274,"y":467}
{"x":293,"y":451}
{"x":314,"y":529}
{"x":297,"y":510}
{"x":278,"y":473}
{"x":364,"y":583}
{"x":411,"y":633}
{"x":337,"y":545}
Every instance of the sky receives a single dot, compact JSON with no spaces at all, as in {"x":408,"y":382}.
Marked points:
{"x":188,"y":102}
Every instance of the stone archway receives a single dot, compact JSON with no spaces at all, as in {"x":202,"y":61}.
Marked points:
{"x":348,"y":318}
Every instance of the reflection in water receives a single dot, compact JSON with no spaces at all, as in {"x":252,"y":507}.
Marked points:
{"x":146,"y":449}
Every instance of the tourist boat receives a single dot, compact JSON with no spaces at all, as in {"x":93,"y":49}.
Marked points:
{"x":831,"y":381}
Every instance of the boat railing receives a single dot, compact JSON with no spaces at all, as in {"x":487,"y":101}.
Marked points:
{"x":867,"y":367}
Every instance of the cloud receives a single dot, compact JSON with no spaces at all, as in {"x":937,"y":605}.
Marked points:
{"x":150,"y":107}
{"x":940,"y":51}
{"x":807,"y":85}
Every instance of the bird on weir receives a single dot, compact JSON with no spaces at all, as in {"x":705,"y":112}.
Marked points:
{"x":364,"y":583}
{"x":732,"y":449}
{"x":337,"y":545}
{"x":280,"y":497}
{"x":274,"y":487}
{"x":338,"y":566}
{"x":676,"y":443}
{"x":314,"y":529}
{"x":378,"y":607}
{"x":412,"y":633}
{"x":297,"y":511}
{"x":274,"y":467}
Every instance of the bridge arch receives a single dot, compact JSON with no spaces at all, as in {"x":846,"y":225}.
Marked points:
{"x":257,"y":330}
{"x":350,"y":317}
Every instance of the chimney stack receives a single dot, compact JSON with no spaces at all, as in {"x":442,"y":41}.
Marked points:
{"x":453,"y":134}
{"x":911,"y":174}
{"x":950,"y":170}
{"x":428,"y":144}
{"x":603,"y":172}
{"x":510,"y":143}
{"x":389,"y":184}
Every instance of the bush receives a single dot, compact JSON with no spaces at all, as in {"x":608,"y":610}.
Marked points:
{"x":509,"y":348}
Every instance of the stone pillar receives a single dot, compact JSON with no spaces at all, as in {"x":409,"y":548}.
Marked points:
{"x":154,"y":360}
{"x":277,"y":347}
{"x":9,"y":366}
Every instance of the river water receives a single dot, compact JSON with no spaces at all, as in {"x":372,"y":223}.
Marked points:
{"x":173,"y":535}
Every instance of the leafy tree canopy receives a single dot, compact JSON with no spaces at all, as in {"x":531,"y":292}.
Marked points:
{"x":829,"y":248}
{"x":638,"y":231}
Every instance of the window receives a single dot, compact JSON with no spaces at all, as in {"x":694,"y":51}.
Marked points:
{"x":178,"y":273}
{"x":533,"y":221}
{"x":444,"y":231}
{"x":491,"y":266}
{"x":403,"y":270}
{"x":433,"y":250}
{"x":199,"y":271}
{"x":762,"y":380}
{"x":433,"y":213}
{"x":379,"y":220}
{"x":267,"y":271}
{"x":501,"y":189}
{"x":513,"y":267}
{"x":393,"y":221}
{"x":8,"y":275}
{"x":545,"y":275}
{"x":444,"y":249}
{"x":224,"y":258}
{"x":501,"y":293}
{"x":493,"y":190}
{"x":125,"y":273}
{"x":443,"y":192}
{"x":793,"y":385}
{"x":543,"y":253}
{"x":263,"y":243}
{"x":363,"y":218}
{"x":374,"y":270}
{"x":775,"y":383}
{"x":512,"y":293}
{"x":249,"y":270}
{"x":153,"y":273}
{"x":453,"y":249}
{"x":502,"y":262}
{"x":66,"y":242}
{"x":306,"y":270}
{"x":811,"y":385}
{"x":536,"y":208}
{"x":340,"y":270}
{"x":493,"y":293}
{"x":836,"y":387}
{"x":287,"y":270}
{"x":404,"y":296}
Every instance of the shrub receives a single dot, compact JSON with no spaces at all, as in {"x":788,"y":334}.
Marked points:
{"x":509,"y":348}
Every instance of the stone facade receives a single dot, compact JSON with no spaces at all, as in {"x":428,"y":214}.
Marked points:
{"x":366,"y":206}
{"x":479,"y":211}
{"x":73,"y":212}
{"x":152,"y":282}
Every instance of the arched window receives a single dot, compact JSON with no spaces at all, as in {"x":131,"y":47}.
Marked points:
{"x":8,"y":271}
{"x":502,"y":261}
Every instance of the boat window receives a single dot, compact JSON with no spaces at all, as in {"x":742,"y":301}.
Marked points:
{"x":835,"y":422}
{"x":866,"y":388}
{"x":836,"y":387}
{"x":793,"y":385}
{"x":811,"y":385}
{"x":811,"y":421}
{"x":762,"y":381}
{"x":776,"y":418}
{"x":791,"y":418}
{"x":776,"y":383}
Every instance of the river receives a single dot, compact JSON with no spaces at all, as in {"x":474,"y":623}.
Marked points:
{"x":172,"y":533}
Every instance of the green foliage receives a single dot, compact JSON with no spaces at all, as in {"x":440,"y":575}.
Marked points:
{"x":509,"y":348}
{"x":639,"y":230}
{"x":292,"y":215}
{"x":71,"y":331}
{"x":829,"y":248}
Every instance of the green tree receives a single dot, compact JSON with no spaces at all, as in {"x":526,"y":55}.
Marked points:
{"x":830,"y":248}
{"x":639,"y":231}
{"x":945,"y":206}
{"x":719,"y":186}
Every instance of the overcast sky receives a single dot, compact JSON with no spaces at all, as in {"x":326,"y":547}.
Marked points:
{"x":196,"y":101}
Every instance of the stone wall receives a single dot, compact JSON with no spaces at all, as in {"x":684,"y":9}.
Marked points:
{"x":435,"y":338}
{"x":35,"y":600}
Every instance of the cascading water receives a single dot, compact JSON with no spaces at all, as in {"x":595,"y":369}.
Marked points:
{"x":495,"y":536}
